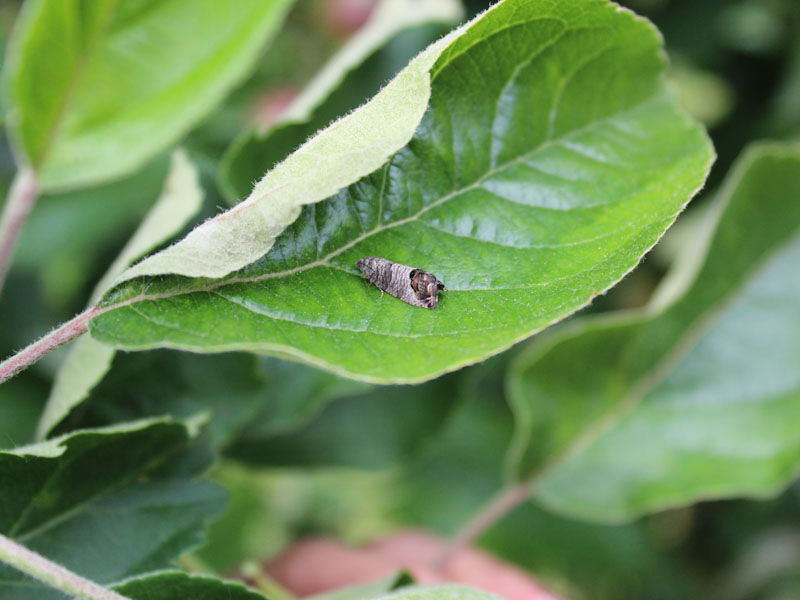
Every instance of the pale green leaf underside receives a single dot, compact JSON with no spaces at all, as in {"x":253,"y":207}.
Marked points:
{"x":89,"y":360}
{"x":345,"y":151}
{"x":699,"y":400}
{"x":550,"y":159}
{"x":387,"y":19}
{"x":94,"y":89}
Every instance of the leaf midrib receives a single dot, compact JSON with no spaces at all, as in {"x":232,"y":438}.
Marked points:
{"x":325,"y":260}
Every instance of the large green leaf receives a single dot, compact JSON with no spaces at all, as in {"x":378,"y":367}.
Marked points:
{"x":94,"y":89}
{"x":523,"y":196}
{"x":693,"y":399}
{"x":105,"y":503}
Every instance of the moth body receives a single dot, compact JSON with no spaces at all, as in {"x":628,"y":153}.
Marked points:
{"x":411,"y":285}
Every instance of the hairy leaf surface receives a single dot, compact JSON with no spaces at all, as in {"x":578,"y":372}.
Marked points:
{"x":698,"y":399}
{"x":396,"y":31}
{"x":549,"y":160}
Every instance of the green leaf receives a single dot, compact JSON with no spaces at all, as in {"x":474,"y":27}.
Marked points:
{"x":176,"y":585}
{"x":396,"y":31}
{"x":89,"y":360}
{"x":687,"y":400}
{"x":93,"y":90}
{"x":524,"y":197}
{"x":131,"y":482}
{"x":260,"y":396}
{"x":379,"y":428}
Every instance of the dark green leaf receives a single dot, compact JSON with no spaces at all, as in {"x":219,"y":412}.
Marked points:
{"x":370,"y":429}
{"x":105,"y":503}
{"x":181,"y":586}
{"x":262,"y":396}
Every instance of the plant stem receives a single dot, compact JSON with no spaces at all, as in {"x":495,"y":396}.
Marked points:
{"x":53,"y":574}
{"x":498,"y":507}
{"x":271,"y":588}
{"x":19,"y":203}
{"x":55,"y":339}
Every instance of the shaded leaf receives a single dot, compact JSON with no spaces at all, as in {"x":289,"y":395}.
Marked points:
{"x":687,"y":400}
{"x":377,"y":428}
{"x":93,"y":90}
{"x":132,"y":482}
{"x":89,"y":360}
{"x":239,"y":392}
{"x":522,"y":197}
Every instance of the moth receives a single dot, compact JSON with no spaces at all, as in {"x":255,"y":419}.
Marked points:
{"x":414,"y":286}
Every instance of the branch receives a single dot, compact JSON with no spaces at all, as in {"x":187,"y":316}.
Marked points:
{"x":51,"y":573}
{"x":19,"y":203}
{"x":55,"y":339}
{"x":502,"y":504}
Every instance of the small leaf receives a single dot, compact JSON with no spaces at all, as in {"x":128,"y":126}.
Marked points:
{"x":131,"y":482}
{"x":89,"y":360}
{"x":93,"y":90}
{"x":696,"y":399}
{"x":176,"y":585}
{"x":520,"y":194}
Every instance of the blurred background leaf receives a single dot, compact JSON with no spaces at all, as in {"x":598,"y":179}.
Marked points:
{"x":124,"y":80}
{"x":688,"y":399}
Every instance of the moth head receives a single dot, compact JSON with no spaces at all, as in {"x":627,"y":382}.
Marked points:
{"x":425,"y":285}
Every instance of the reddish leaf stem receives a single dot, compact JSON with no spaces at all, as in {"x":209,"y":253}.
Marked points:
{"x":502,"y":504}
{"x":67,"y":332}
{"x":19,"y":203}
